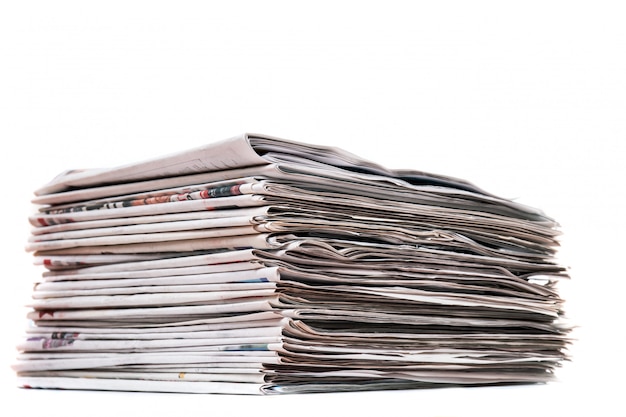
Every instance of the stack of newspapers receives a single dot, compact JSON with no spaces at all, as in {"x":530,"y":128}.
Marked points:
{"x":259,"y":265}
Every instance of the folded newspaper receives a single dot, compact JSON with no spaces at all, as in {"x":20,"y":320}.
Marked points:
{"x":258,"y":265}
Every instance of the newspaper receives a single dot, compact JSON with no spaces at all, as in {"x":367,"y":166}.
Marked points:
{"x":258,"y":265}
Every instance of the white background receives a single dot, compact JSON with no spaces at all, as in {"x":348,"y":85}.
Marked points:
{"x":527,"y":101}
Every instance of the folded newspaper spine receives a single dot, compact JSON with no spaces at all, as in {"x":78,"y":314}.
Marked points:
{"x":259,"y":265}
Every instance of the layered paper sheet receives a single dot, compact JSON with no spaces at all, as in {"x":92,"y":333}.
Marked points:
{"x":260,"y":265}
